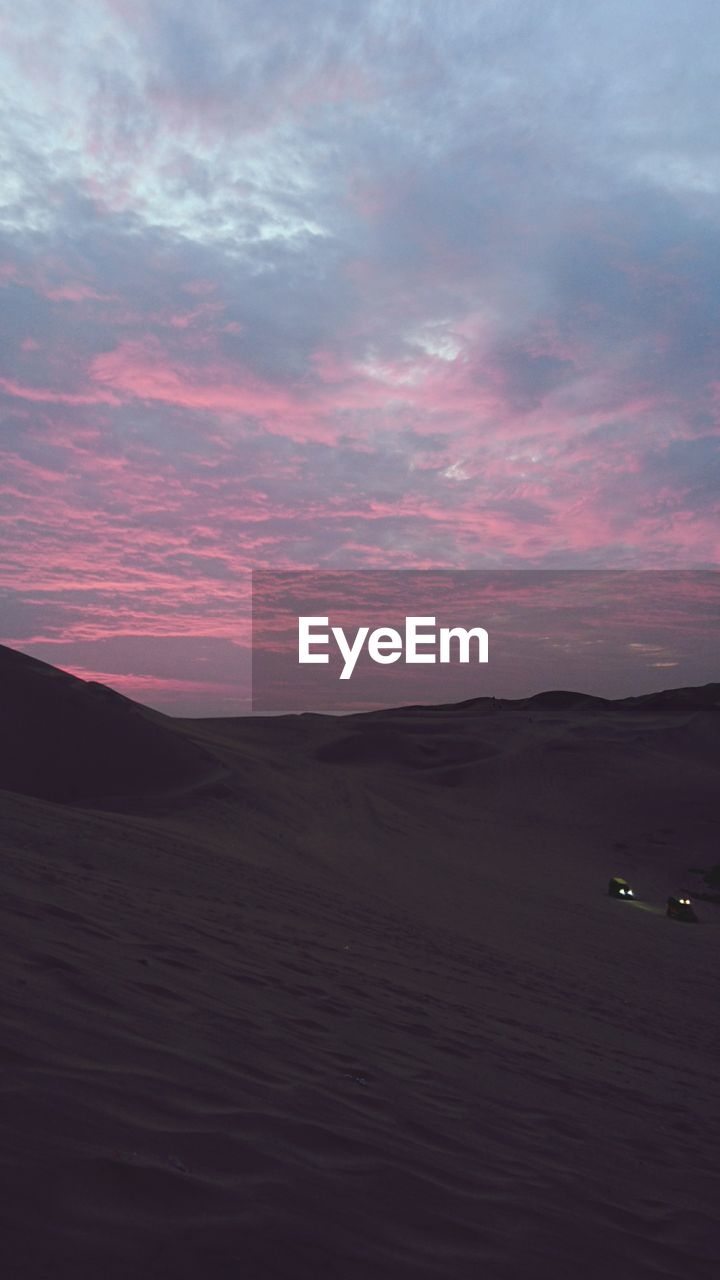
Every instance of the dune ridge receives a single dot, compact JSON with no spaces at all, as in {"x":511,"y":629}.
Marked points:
{"x":68,"y":739}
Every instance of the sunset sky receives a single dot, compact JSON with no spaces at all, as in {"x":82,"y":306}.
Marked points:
{"x":345,"y":284}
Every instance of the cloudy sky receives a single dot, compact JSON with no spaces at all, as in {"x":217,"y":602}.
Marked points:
{"x":345,"y":284}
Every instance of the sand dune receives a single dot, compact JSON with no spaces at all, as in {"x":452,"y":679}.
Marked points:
{"x":349,"y":999}
{"x":67,"y":739}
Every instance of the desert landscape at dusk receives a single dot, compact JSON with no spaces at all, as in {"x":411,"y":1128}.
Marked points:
{"x":312,"y":995}
{"x":359,"y":616}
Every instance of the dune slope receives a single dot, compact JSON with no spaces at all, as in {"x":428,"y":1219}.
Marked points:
{"x":68,"y":739}
{"x":364,"y":1009}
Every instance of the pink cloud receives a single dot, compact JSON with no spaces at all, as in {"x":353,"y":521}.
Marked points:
{"x":46,"y":395}
{"x":10,"y":273}
{"x":136,"y":686}
{"x":74,"y":292}
{"x":141,"y":370}
{"x":184,"y":319}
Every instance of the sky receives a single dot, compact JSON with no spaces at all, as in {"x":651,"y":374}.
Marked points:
{"x":339,"y":285}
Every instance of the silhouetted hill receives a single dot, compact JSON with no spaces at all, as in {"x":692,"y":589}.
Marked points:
{"x":695,"y":698}
{"x":67,"y":739}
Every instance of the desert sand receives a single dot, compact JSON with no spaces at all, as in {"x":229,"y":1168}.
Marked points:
{"x":347,"y":998}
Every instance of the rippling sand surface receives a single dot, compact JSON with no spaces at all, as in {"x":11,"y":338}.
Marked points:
{"x":302,"y":997}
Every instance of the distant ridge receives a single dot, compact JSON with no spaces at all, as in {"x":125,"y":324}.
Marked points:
{"x":692,"y":698}
{"x":563,"y":698}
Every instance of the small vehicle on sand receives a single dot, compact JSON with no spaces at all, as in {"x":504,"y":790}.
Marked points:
{"x":681,"y":909}
{"x":619,"y":888}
